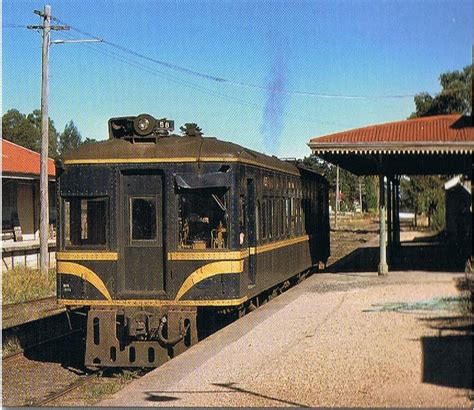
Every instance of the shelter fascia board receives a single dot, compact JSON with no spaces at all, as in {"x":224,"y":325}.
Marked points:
{"x":29,"y":177}
{"x":392,"y":148}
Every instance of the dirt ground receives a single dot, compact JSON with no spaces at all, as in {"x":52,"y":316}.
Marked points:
{"x":335,"y":340}
{"x":344,"y":338}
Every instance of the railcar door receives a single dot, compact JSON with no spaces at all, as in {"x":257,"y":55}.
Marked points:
{"x":142,"y":235}
{"x":251,"y":231}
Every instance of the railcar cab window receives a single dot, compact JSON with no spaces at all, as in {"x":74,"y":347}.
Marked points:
{"x":203,"y":218}
{"x":143,"y":219}
{"x":86,"y":221}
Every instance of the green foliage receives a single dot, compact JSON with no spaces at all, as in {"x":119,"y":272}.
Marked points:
{"x":70,"y":138}
{"x":16,"y":128}
{"x":425,"y":194}
{"x":89,"y":141}
{"x":348,"y":185}
{"x":105,"y":386}
{"x":191,"y":129}
{"x":35,"y":118}
{"x":455,"y":97}
{"x":369,"y":196}
{"x":25,"y":130}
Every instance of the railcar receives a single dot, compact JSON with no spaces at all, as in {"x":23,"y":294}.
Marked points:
{"x":155,"y":230}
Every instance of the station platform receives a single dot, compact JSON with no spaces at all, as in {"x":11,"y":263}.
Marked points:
{"x":335,"y":340}
{"x":18,"y":314}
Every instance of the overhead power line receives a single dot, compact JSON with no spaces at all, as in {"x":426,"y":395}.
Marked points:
{"x":7,"y":25}
{"x":208,"y":91}
{"x":223,"y":80}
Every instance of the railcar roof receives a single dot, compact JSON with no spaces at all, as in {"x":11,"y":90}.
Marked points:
{"x":173,"y":149}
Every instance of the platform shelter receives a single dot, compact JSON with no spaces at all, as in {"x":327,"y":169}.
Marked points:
{"x":438,"y":145}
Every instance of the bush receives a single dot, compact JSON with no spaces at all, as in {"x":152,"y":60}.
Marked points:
{"x":466,"y":286}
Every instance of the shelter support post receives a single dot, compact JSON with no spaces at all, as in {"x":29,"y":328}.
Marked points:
{"x":389,"y":213}
{"x":383,"y":267}
{"x":396,"y":212}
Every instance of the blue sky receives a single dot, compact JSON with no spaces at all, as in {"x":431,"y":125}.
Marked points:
{"x":369,"y":48}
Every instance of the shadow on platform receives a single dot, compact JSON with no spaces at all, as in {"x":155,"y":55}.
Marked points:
{"x":425,"y":254}
{"x":164,"y":396}
{"x":447,"y":358}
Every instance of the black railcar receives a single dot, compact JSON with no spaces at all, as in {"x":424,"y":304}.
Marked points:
{"x":154,"y":227}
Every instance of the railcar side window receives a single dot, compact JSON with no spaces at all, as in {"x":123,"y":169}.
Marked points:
{"x":264,"y":218}
{"x":242,"y":222}
{"x":282,"y":217}
{"x":203,"y":215}
{"x":143,"y":219}
{"x":257,"y":218}
{"x":287,"y":216}
{"x":86,"y":220}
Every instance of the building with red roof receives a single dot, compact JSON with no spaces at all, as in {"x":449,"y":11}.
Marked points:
{"x":436,"y":145}
{"x":21,"y":161}
{"x":441,"y":144}
{"x":20,"y":192}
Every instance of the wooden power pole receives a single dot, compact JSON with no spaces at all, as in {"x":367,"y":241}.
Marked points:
{"x":46,"y":27}
{"x":44,"y":191}
{"x":337,"y":197}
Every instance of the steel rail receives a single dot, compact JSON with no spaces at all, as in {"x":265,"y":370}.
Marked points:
{"x":72,"y":386}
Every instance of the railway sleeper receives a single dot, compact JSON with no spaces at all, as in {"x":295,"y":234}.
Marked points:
{"x":135,"y":337}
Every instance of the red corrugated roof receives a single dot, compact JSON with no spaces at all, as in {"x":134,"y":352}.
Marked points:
{"x":440,"y":128}
{"x":20,"y":160}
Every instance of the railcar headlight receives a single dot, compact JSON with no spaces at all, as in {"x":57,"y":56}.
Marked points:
{"x":144,"y":124}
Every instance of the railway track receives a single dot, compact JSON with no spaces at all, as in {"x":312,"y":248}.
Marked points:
{"x":51,"y":372}
{"x":37,"y":373}
{"x":42,"y":358}
{"x":66,"y":381}
{"x":83,"y":381}
{"x":61,"y":393}
{"x":29,"y":302}
{"x":16,"y":314}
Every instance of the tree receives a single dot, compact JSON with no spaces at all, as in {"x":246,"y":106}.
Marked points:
{"x":35,"y":118}
{"x":370,"y":187}
{"x":88,"y":141}
{"x":25,"y":130}
{"x":455,"y":96}
{"x":16,"y":128}
{"x":425,"y":194}
{"x":191,"y":129}
{"x":348,"y":185}
{"x":70,"y":138}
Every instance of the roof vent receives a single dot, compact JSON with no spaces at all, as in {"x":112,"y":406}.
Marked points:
{"x":140,"y":128}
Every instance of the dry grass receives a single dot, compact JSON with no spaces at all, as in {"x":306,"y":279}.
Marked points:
{"x":106,"y":386}
{"x":10,"y":346}
{"x":21,"y":284}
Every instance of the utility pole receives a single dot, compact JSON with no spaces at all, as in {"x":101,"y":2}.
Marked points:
{"x":46,"y":27}
{"x":337,"y":196}
{"x":44,"y":188}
